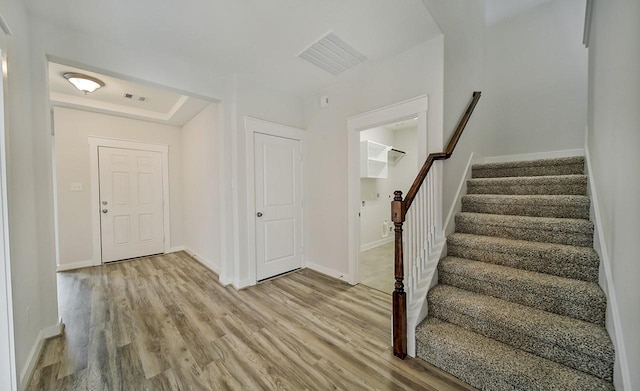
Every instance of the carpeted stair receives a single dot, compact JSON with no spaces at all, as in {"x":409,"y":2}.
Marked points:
{"x":518,"y":306}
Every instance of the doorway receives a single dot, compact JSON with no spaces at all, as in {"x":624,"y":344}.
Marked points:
{"x":388,"y":162}
{"x":275,"y":174}
{"x":131,"y":203}
{"x":278,"y":205}
{"x":129,"y":184}
{"x":413,"y":109}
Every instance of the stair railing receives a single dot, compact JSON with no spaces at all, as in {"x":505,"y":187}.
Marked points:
{"x":421,"y":232}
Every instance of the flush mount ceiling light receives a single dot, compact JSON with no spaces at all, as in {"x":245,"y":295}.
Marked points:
{"x":82,"y":82}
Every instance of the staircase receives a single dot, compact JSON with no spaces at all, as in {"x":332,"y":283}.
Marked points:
{"x":518,"y":306}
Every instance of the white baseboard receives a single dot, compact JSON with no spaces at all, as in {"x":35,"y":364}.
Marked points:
{"x":75,"y":265}
{"x":205,"y":262}
{"x":225,"y":280}
{"x":242,"y":284}
{"x":600,"y":246}
{"x":534,"y":156}
{"x":36,"y":350}
{"x":456,"y":206}
{"x":377,"y":243}
{"x":175,"y":249}
{"x":329,"y":272}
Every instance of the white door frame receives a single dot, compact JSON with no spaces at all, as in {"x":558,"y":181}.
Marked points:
{"x":252,"y":126}
{"x":416,"y":107}
{"x":94,"y":143}
{"x":7,"y":343}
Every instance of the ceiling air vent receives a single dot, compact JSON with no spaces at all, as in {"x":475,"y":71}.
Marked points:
{"x":332,"y":54}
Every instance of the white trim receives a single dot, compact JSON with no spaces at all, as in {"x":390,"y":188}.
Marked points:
{"x":243,"y":283}
{"x":204,"y":261}
{"x":456,"y":206}
{"x":535,"y":156}
{"x":176,"y":249}
{"x":252,"y":126}
{"x":76,"y":265}
{"x":381,"y":116}
{"x":326,"y":271}
{"x":600,"y":246}
{"x":34,"y":355}
{"x":377,"y":243}
{"x":588,"y":18}
{"x":94,"y":143}
{"x":227,"y":163}
{"x":7,"y":337}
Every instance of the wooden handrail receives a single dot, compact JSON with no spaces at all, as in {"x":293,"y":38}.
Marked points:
{"x":399,"y":209}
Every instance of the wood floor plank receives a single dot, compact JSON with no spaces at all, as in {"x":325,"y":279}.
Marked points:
{"x":165,"y":323}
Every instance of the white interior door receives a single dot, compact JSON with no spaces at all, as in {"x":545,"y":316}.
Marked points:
{"x":278,"y":191}
{"x":131,"y":203}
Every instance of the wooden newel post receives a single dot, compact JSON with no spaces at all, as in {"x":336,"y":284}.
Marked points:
{"x":399,"y":298}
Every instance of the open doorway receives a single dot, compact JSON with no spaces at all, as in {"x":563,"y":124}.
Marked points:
{"x":388,"y":162}
{"x":129,"y":142}
{"x":382,"y":122}
{"x":122,"y":155}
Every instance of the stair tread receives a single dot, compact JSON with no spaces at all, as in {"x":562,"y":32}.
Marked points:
{"x":548,"y":285}
{"x":576,"y":298}
{"x":573,"y":334}
{"x":557,"y":206}
{"x":480,"y":361}
{"x":548,"y":184}
{"x":540,"y":167}
{"x":575,"y":254}
{"x":578,"y":254}
{"x":528,"y":199}
{"x":532,"y":163}
{"x":527,"y":222}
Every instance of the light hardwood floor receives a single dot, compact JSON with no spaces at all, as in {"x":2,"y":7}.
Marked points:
{"x":376,"y":268}
{"x":164,"y":323}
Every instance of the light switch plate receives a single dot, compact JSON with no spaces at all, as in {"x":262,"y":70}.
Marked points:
{"x":76,"y":186}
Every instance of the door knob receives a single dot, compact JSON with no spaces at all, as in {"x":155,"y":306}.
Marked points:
{"x":105,"y":210}
{"x":259,"y":214}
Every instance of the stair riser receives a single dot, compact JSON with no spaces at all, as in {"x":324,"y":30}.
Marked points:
{"x":560,"y":354}
{"x":559,"y":211}
{"x":531,"y":234}
{"x":542,"y":189}
{"x":500,"y":172}
{"x":589,"y":311}
{"x":557,"y":267}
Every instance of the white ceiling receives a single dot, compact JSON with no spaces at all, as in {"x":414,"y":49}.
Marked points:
{"x":499,"y":10}
{"x":161,"y":104}
{"x":259,"y":39}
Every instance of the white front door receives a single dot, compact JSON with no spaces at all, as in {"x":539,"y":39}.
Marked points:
{"x":278,"y":191}
{"x":131,"y":203}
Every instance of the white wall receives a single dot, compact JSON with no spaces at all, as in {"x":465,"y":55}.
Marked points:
{"x":32,"y":257}
{"x":413,"y":73}
{"x":405,"y":171}
{"x":613,"y":144}
{"x":535,"y":88}
{"x":378,"y":192}
{"x":375,"y":194}
{"x":462,"y":22}
{"x":201,"y":186}
{"x":72,"y":130}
